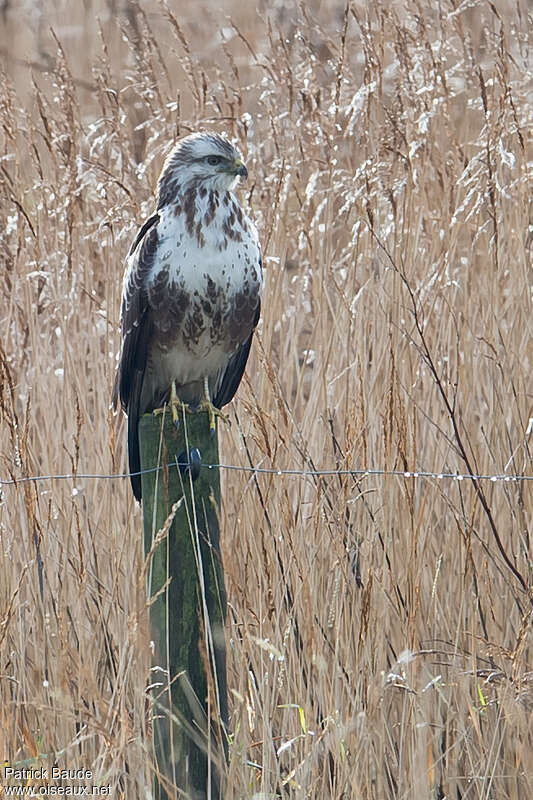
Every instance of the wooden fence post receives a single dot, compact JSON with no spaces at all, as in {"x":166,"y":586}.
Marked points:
{"x":185,"y":585}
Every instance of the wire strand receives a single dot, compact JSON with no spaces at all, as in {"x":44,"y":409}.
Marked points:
{"x":302,"y":473}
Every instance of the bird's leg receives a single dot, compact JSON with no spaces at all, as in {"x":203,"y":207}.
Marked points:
{"x":176,"y":405}
{"x":207,"y":405}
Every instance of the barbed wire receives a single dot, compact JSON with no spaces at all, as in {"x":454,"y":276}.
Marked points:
{"x":302,"y":473}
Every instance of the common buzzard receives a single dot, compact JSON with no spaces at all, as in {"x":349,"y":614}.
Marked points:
{"x":191,"y":291}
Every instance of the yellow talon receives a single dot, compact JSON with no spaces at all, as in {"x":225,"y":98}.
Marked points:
{"x":213,"y":411}
{"x":176,"y":405}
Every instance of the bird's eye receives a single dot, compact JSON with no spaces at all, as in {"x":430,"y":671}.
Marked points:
{"x":213,"y":161}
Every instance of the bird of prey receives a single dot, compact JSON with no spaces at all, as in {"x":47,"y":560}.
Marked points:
{"x":191,"y":291}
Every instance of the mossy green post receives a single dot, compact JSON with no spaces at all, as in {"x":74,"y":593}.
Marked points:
{"x":187,"y":615}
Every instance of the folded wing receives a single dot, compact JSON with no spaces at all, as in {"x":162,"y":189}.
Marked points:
{"x":137,"y":332}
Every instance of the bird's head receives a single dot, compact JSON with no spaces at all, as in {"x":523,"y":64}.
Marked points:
{"x":206,"y":159}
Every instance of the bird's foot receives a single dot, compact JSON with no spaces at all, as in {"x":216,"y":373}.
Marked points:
{"x":213,"y":412}
{"x":177,"y":407}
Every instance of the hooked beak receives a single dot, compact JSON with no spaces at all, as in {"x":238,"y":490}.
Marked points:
{"x":239,"y":168}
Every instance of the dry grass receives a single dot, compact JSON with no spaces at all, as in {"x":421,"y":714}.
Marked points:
{"x":380,"y":644}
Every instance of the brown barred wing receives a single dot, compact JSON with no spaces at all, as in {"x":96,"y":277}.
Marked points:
{"x":137,"y":332}
{"x":235,"y":369}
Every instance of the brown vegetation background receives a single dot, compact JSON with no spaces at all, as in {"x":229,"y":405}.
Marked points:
{"x":379,"y":637}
